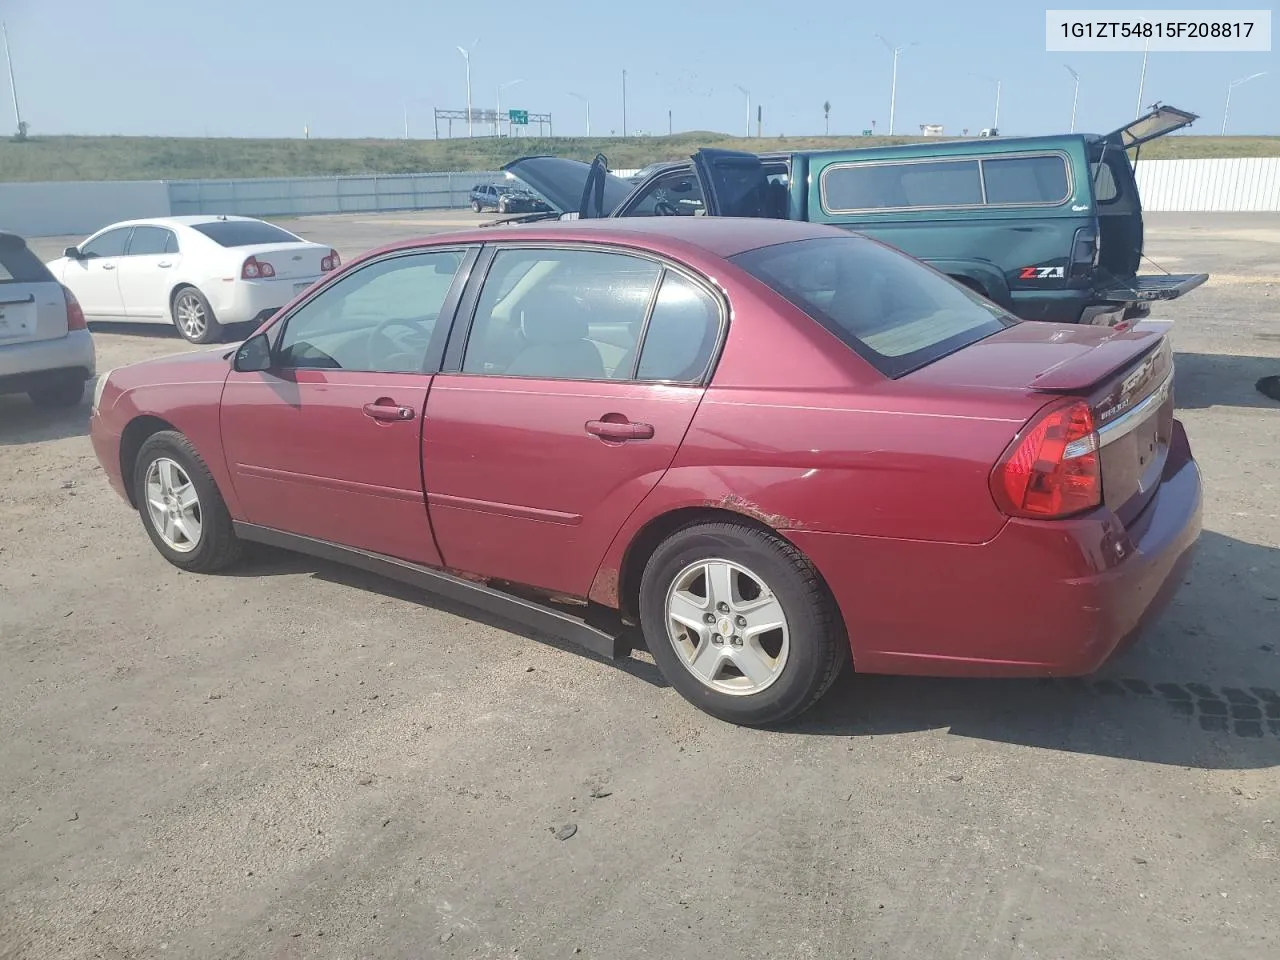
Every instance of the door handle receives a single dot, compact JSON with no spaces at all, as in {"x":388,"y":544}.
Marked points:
{"x":164,"y":266}
{"x":619,"y":430}
{"x":108,"y":266}
{"x":387,"y":410}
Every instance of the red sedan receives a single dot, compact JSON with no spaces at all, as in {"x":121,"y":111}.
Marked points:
{"x":775,"y":446}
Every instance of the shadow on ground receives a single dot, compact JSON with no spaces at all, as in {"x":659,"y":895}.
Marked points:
{"x":1134,"y":709}
{"x":21,"y":421}
{"x":1221,"y":380}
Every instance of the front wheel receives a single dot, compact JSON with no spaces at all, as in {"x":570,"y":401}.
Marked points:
{"x":194,"y":318}
{"x":740,"y":623}
{"x":182,"y":510}
{"x":475,"y":206}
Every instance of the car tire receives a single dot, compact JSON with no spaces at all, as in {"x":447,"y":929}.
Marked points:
{"x":760,"y":579}
{"x":193,"y":316}
{"x":181,"y":508}
{"x":67,"y":392}
{"x":475,"y":206}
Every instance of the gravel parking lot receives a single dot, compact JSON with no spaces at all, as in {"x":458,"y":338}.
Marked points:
{"x":301,"y":760}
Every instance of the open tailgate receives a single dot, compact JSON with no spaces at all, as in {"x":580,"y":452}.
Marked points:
{"x":1144,"y":289}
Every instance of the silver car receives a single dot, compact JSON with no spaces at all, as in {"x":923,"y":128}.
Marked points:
{"x":46,"y":350}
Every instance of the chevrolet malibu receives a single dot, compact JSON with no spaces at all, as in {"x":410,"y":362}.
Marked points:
{"x":764,"y":449}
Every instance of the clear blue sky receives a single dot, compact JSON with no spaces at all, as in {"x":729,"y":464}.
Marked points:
{"x":266,"y":67}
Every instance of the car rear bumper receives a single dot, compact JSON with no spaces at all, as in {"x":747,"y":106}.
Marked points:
{"x":1042,"y":598}
{"x":245,"y":301}
{"x":24,"y":366}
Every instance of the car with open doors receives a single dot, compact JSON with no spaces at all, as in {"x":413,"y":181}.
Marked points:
{"x":1049,"y":227}
{"x":763,"y":449}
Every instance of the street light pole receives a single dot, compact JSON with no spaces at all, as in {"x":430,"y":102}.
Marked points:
{"x":1075,"y":99}
{"x":624,"y":104}
{"x":1231,"y":86}
{"x":13,"y":87}
{"x":995,"y":124}
{"x":497,"y":119}
{"x":466,"y":55}
{"x":587,"y":103}
{"x":746,"y":93}
{"x":893,"y":87}
{"x":1142,"y":78}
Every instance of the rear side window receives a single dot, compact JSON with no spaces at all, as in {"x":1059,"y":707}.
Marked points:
{"x":872,"y":186}
{"x":150,"y":241}
{"x":1026,"y":179}
{"x":895,"y":313}
{"x":682,"y":332}
{"x":19,"y":265}
{"x":243,"y":233}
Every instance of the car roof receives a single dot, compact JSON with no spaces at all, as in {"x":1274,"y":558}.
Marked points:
{"x":720,"y":236}
{"x":190,"y":220}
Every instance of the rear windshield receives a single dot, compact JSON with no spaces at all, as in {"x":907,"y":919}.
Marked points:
{"x":243,"y":233}
{"x":894,"y":312}
{"x":19,"y":265}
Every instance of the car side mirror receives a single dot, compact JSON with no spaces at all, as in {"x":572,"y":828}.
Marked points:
{"x":254,"y":355}
{"x":73,"y":253}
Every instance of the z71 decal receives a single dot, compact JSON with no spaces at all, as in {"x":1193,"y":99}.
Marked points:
{"x":1042,"y":273}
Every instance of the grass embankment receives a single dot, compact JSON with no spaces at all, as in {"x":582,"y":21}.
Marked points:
{"x":174,"y":158}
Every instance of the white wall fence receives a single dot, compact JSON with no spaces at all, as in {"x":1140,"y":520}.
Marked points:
{"x":51,"y":209}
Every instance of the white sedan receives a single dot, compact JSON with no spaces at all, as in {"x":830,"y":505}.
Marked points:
{"x":200,"y":272}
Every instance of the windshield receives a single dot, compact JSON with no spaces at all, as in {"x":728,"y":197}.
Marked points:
{"x":893,"y":311}
{"x":243,"y":233}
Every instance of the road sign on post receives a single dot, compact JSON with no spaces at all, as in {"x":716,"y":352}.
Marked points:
{"x":519,"y":117}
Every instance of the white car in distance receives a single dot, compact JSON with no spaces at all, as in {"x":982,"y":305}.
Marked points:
{"x":199,"y":273}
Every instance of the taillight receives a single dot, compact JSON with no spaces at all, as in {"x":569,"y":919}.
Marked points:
{"x":75,"y":313}
{"x":1085,"y":251}
{"x":255,"y":269}
{"x":331,"y":262}
{"x":1051,"y":469}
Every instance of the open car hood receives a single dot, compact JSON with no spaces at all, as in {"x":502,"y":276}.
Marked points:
{"x":563,"y":183}
{"x":1150,"y":126}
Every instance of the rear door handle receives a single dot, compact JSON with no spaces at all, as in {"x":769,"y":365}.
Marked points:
{"x":164,"y":265}
{"x":619,"y":430}
{"x":387,"y":410}
{"x":108,"y":266}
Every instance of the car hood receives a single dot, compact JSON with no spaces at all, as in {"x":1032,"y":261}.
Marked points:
{"x":561,"y":182}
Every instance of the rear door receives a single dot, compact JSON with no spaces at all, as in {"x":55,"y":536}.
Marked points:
{"x":94,"y":277}
{"x":32,"y":306}
{"x":734,"y":183}
{"x":146,"y":272}
{"x":561,"y":408}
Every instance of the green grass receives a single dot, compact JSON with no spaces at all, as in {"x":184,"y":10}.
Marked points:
{"x":172,"y":158}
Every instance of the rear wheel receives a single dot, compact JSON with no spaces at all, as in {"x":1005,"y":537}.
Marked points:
{"x":194,"y":318}
{"x":740,"y":623}
{"x":182,"y":510}
{"x":66,"y":392}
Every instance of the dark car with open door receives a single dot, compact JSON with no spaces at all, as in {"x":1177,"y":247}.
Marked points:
{"x":1048,"y":227}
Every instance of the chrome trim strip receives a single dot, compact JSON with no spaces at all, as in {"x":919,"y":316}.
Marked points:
{"x":1129,"y":421}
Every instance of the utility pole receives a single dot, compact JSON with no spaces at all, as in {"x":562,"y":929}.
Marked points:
{"x":746,"y":93}
{"x":669,"y":131}
{"x":759,"y":120}
{"x":624,"y":104}
{"x":13,"y":87}
{"x":587,"y":103}
{"x":466,"y":55}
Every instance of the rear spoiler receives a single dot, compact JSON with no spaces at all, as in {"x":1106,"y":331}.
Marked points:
{"x":1118,"y":351}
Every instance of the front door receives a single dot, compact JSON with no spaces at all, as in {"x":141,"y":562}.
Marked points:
{"x":733,"y":183}
{"x":146,"y":272}
{"x":580,"y":375}
{"x":327,"y":443}
{"x":94,"y":278}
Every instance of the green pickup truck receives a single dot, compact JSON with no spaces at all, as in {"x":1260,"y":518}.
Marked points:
{"x":1049,"y":227}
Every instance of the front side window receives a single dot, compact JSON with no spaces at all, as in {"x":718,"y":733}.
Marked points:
{"x":677,"y":194}
{"x":110,"y":244}
{"x":561,"y":314}
{"x":897,"y":314}
{"x":379,"y":319}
